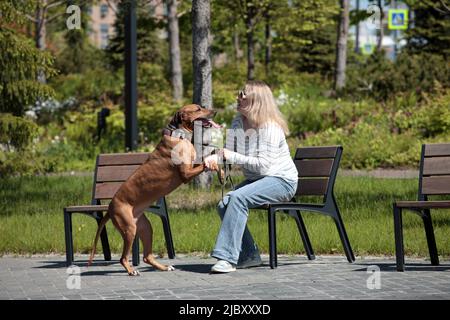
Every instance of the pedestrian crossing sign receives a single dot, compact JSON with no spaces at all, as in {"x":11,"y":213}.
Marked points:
{"x":367,"y":48}
{"x":398,"y":19}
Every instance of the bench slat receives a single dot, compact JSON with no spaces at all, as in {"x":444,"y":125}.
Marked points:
{"x":106,"y":190}
{"x":115,"y":173}
{"x":436,"y":185}
{"x":314,"y":168}
{"x":87,"y":208}
{"x":437,"y":150}
{"x":436,"y":166}
{"x":312,"y":187}
{"x":316,"y":152}
{"x":122,"y":158}
{"x":423,"y":204}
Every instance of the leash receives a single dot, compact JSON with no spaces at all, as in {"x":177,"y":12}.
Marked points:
{"x":226,"y":177}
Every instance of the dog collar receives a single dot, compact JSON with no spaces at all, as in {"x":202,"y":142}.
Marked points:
{"x":177,"y":133}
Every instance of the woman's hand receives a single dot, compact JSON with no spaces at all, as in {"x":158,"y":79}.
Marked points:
{"x":211,"y":162}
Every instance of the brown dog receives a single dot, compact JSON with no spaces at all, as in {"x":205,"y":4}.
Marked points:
{"x":167,"y":167}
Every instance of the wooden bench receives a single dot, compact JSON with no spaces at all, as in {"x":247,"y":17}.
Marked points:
{"x":111,"y":170}
{"x":317,"y":169}
{"x":434,"y":179}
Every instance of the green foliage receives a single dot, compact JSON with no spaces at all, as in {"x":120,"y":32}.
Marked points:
{"x":20,"y":63}
{"x":376,"y":137}
{"x":78,"y":55}
{"x":306,"y":36}
{"x":381,"y":79}
{"x":368,"y":146}
{"x":150,"y":47}
{"x":90,"y":85}
{"x":153,"y":84}
{"x":16,"y":132}
{"x":431,"y":28}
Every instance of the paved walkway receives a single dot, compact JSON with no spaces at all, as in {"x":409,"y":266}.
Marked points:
{"x":328,"y":277}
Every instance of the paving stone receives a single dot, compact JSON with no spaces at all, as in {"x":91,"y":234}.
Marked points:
{"x":296,"y":278}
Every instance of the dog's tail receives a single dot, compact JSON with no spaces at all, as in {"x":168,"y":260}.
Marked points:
{"x":99,"y":230}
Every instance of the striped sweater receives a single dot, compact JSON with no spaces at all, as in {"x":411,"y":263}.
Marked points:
{"x":262,"y":152}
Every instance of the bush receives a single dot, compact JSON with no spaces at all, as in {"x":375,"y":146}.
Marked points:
{"x":381,"y":79}
{"x":369,"y":146}
{"x":15,"y":132}
{"x":88,"y":86}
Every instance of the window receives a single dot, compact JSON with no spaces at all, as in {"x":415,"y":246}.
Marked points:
{"x":104,"y":28}
{"x":103,"y":10}
{"x":104,"y":35}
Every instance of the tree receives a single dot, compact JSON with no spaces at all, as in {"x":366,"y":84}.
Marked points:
{"x":201,"y":53}
{"x":176,"y":74}
{"x":150,"y":48}
{"x":268,"y":36}
{"x":20,"y":62}
{"x":381,"y":30}
{"x":431,"y":25}
{"x":201,"y":62}
{"x":306,"y":35}
{"x":46,"y":11}
{"x":341,"y":46}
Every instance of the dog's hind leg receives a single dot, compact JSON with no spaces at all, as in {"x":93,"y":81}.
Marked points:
{"x":122,"y":218}
{"x":145,"y":233}
{"x":128,"y":236}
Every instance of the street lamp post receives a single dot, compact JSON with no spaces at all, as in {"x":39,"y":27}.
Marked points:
{"x":131,"y":125}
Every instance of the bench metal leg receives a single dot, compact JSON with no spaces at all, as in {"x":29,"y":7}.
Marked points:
{"x":303,"y":234}
{"x":135,"y":251}
{"x":272,"y":239}
{"x":168,"y":236}
{"x":68,"y":238}
{"x":398,"y":231}
{"x":430,"y":237}
{"x":343,"y":235}
{"x":167,"y":232}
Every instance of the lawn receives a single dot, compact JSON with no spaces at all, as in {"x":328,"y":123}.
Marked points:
{"x":31,"y":219}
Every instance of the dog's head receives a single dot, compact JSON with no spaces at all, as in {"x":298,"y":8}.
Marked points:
{"x":187,"y":115}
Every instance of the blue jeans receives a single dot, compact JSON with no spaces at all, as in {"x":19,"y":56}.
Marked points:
{"x":234,"y":242}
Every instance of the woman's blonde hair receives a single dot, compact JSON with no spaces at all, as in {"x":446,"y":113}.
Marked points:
{"x":261,"y":106}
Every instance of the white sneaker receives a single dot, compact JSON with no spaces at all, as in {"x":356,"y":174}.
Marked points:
{"x":223,"y":266}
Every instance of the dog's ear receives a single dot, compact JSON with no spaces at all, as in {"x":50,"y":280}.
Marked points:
{"x":176,"y":120}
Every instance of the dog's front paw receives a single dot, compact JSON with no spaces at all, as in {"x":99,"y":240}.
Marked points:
{"x":134,"y":273}
{"x":170,"y":268}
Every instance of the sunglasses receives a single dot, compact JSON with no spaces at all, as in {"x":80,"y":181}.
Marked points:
{"x":241,"y":94}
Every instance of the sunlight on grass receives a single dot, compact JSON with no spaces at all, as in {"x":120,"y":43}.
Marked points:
{"x":31,"y":219}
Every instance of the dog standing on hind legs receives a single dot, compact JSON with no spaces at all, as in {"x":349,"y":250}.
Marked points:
{"x":168,"y":166}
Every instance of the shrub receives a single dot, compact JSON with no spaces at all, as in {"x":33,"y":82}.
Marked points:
{"x":16,"y":132}
{"x":370,"y":146}
{"x":381,"y":79}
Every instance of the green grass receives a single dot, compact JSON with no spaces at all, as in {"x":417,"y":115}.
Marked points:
{"x":31,"y":219}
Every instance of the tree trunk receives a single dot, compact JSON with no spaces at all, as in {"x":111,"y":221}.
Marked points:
{"x":236,"y":44}
{"x":174,"y":48}
{"x":381,"y":33}
{"x":268,"y":35}
{"x":341,"y":46}
{"x":41,"y":33}
{"x":201,"y":49}
{"x":201,"y":60}
{"x":249,"y":22}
